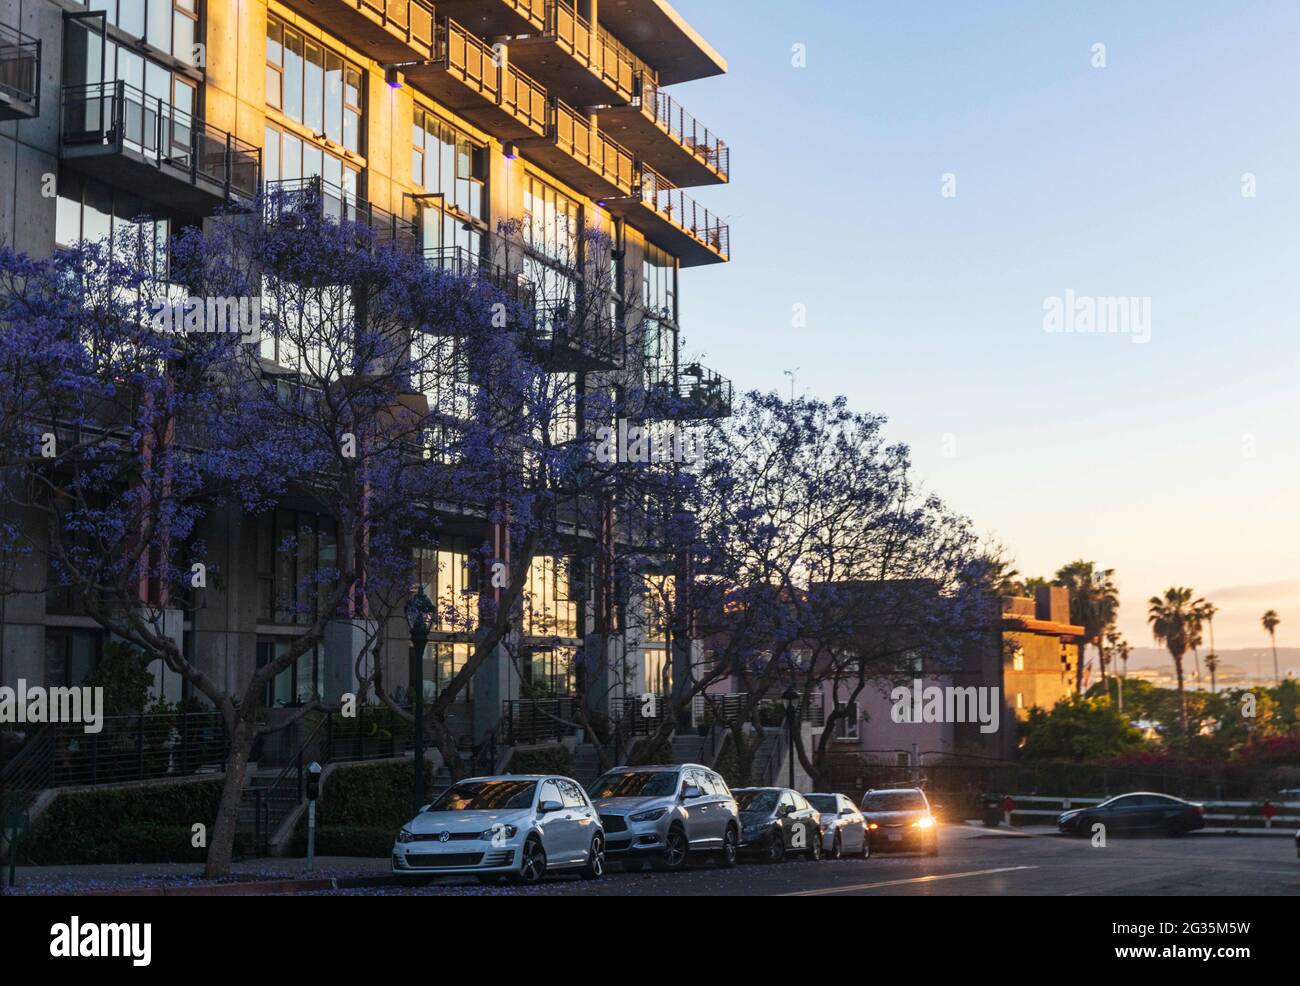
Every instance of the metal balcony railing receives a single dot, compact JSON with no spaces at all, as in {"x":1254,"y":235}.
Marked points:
{"x":574,"y":340}
{"x":412,"y":17}
{"x":684,"y":212}
{"x":116,"y":117}
{"x":387,"y":30}
{"x":466,"y":263}
{"x":585,"y":143}
{"x":291,"y":199}
{"x":703,"y":392}
{"x":537,"y":720}
{"x":20,"y":73}
{"x":704,"y":145}
{"x":474,"y":63}
{"x":596,"y":49}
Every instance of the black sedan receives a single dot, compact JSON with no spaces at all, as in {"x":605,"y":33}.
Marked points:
{"x":1135,"y":814}
{"x":776,"y":821}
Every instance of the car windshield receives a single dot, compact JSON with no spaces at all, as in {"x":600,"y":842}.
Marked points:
{"x":758,"y":801}
{"x":635,"y":784}
{"x":823,"y":803}
{"x":486,"y":796}
{"x":894,"y":801}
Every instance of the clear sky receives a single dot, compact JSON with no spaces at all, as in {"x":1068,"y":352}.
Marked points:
{"x":1175,"y":461}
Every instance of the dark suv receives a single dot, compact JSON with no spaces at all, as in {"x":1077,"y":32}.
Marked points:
{"x":899,"y":819}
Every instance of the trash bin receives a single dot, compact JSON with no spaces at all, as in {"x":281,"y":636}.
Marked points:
{"x":992,"y":804}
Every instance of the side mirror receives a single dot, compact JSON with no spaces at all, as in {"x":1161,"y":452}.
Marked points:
{"x":785,"y":810}
{"x":691,"y":791}
{"x":547,"y":807}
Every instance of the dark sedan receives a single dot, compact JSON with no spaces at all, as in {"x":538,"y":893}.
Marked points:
{"x":776,"y":821}
{"x":1135,"y":814}
{"x":900,"y":820}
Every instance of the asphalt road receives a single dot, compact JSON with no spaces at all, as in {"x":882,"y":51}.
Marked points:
{"x":971,"y":862}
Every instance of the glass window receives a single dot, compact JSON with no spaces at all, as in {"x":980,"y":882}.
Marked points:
{"x":635,"y":784}
{"x":500,"y":795}
{"x":572,"y":794}
{"x":550,"y":792}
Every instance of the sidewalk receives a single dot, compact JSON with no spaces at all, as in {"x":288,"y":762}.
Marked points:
{"x":187,"y":878}
{"x":1027,"y":831}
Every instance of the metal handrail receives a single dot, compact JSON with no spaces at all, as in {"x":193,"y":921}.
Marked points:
{"x":289,"y":197}
{"x":20,"y":66}
{"x":706,"y":146}
{"x":588,"y":145}
{"x":684,"y":212}
{"x":414,"y":17}
{"x":160,"y":133}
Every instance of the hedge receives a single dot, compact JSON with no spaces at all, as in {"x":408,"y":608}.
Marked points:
{"x":150,"y":823}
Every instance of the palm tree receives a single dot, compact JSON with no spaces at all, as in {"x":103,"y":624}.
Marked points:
{"x":1119,"y":648}
{"x":1171,"y":624}
{"x":1094,"y":603}
{"x":1207,"y":614}
{"x":1270,"y":621}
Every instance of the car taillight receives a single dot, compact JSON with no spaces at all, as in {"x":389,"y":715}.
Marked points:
{"x":1200,"y":809}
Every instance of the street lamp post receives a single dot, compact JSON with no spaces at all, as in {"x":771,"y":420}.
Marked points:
{"x":419,"y":620}
{"x":790,"y":698}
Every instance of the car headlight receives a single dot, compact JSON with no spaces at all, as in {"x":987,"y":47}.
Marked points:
{"x":406,"y":835}
{"x":498,"y":832}
{"x":872,"y":826}
{"x":754,"y":829}
{"x":924,"y":822}
{"x":652,"y":815}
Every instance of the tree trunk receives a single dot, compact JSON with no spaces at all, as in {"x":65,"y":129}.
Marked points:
{"x":221,"y":843}
{"x":1277,"y":676}
{"x":1182,"y":695}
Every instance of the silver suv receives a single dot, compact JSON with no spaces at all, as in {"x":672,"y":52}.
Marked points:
{"x":663,"y":814}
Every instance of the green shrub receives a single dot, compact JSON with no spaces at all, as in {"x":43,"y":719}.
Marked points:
{"x":371,"y":841}
{"x":146,"y":824}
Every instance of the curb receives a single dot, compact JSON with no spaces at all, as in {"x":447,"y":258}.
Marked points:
{"x":223,"y":889}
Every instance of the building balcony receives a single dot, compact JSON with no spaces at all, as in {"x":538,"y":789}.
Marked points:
{"x":302,"y":200}
{"x":115,"y":133}
{"x":464,"y":76}
{"x":658,"y":34}
{"x":656,"y":128}
{"x":579,"y":62}
{"x":497,"y":18}
{"x":673,"y":220}
{"x":467,"y":264}
{"x":569,"y":342}
{"x":698,"y":394}
{"x":577,"y":152}
{"x":386,"y":30}
{"x":20,"y":74}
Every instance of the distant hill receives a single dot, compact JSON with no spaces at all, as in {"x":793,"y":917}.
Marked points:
{"x":1239,"y":666}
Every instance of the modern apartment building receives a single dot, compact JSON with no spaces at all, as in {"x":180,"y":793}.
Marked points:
{"x":483,"y":133}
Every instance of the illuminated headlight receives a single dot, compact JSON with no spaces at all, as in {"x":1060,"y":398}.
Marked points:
{"x":872,"y":826}
{"x":498,"y":832}
{"x":924,"y":822}
{"x":405,"y":836}
{"x":653,"y":815}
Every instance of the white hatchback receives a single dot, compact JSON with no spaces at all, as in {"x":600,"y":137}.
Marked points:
{"x":517,"y":826}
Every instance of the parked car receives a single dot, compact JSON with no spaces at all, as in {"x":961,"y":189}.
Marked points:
{"x":1297,"y":844}
{"x":518,"y":826}
{"x":844,"y":830}
{"x":776,"y":821}
{"x":1136,"y":813}
{"x":900,"y":819}
{"x":663,"y":815}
